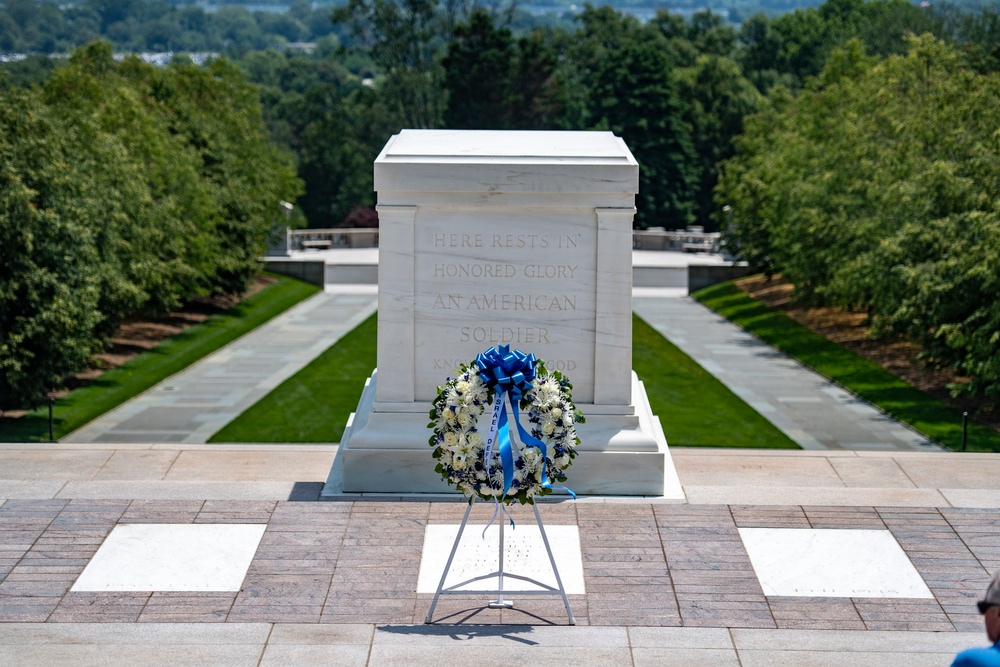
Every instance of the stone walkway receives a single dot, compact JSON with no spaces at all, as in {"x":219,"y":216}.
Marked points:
{"x":196,"y":403}
{"x":808,"y":408}
{"x":336,"y":582}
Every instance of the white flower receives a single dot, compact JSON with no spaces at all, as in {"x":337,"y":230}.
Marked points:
{"x":450,"y":440}
{"x":475,"y":440}
{"x":464,"y":419}
{"x":548,"y":428}
{"x":548,"y":392}
{"x":556,"y":413}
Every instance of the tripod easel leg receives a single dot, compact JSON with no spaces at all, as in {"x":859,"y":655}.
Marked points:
{"x":447,"y":567}
{"x":552,"y":562}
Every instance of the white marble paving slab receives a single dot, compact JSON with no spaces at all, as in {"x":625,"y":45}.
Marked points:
{"x":172,"y":557}
{"x":832,"y":563}
{"x":524,"y":554}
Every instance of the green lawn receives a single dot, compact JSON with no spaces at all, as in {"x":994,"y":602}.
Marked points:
{"x":694,"y":408}
{"x":313,"y":405}
{"x":175,"y":354}
{"x":865,"y":378}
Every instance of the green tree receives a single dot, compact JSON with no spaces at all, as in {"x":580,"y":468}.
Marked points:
{"x":334,"y":165}
{"x":404,"y":38}
{"x":497,"y":82}
{"x":478,"y":70}
{"x":875,"y":189}
{"x":123,"y":187}
{"x":49,"y":268}
{"x":636,"y":97}
{"x":719,"y":98}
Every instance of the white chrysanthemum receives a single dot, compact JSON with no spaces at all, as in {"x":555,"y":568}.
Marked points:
{"x":478,"y":388}
{"x":548,"y":392}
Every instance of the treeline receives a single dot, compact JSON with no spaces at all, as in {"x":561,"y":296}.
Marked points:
{"x":875,"y":188}
{"x":124,"y":188}
{"x":677,"y":90}
{"x":46,"y":27}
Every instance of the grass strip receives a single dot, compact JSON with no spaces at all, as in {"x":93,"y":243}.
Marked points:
{"x":859,"y":375}
{"x":313,"y":405}
{"x":695,"y":409}
{"x":171,"y":356}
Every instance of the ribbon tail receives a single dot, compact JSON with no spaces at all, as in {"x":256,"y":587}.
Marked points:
{"x":531,"y":441}
{"x":496,"y":509}
{"x":506,"y":451}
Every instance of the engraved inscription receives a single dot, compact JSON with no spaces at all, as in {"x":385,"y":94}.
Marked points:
{"x":482,"y":270}
{"x":458,"y":240}
{"x":504,"y":335}
{"x":517,"y":302}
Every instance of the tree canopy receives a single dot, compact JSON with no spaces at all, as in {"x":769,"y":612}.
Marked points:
{"x":125,"y":188}
{"x":875,"y":188}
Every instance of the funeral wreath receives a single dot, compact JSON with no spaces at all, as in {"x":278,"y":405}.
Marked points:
{"x":478,"y":455}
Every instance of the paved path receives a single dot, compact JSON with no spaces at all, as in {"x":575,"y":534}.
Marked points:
{"x":193,"y":405}
{"x":809,"y":409}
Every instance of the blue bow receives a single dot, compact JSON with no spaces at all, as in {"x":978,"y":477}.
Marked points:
{"x":507,"y":371}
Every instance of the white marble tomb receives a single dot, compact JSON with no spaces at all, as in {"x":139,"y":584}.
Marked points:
{"x":520,"y":238}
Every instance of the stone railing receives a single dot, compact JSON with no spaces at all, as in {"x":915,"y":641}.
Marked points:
{"x":326,"y":239}
{"x":686,"y":241}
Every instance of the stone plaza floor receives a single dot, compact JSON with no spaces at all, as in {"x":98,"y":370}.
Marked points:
{"x":773,"y":559}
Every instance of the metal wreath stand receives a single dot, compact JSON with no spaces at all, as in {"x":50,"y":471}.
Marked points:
{"x":500,"y":573}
